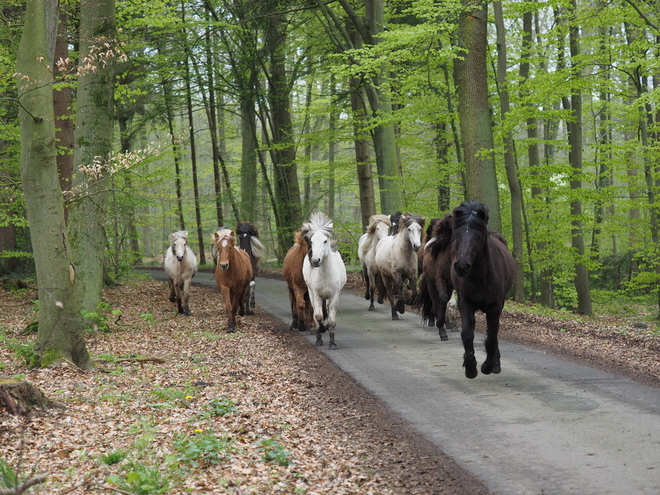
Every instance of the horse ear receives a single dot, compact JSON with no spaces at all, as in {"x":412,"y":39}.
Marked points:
{"x":483,"y":213}
{"x":215,"y":236}
{"x":330,"y":225}
{"x":172,"y":237}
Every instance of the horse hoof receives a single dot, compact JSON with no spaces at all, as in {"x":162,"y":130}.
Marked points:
{"x":172,"y":299}
{"x":332,"y":346}
{"x":380,"y":300}
{"x":372,"y":308}
{"x":470,"y":365}
{"x":319,"y":343}
{"x":401,"y":307}
{"x":443,"y":335}
{"x":488,"y":368}
{"x":231,"y":330}
{"x":250,"y":312}
{"x":395,"y":317}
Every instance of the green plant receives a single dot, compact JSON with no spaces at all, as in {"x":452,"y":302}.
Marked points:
{"x":25,"y":352}
{"x":8,"y":477}
{"x":148,"y":318}
{"x":99,"y":319}
{"x":114,"y":457}
{"x":142,"y":479}
{"x":203,"y":449}
{"x":219,"y":407}
{"x":273,"y":452}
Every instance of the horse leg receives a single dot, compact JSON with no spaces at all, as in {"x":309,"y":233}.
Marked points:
{"x":172,"y":290}
{"x":439,"y":299}
{"x":324,"y":309}
{"x":332,"y":320}
{"x":398,"y":285}
{"x":387,"y":283}
{"x":371,"y":288}
{"x":367,"y":280}
{"x":229,"y":308}
{"x":302,"y":311}
{"x":178,"y":289}
{"x":492,"y":362}
{"x":185,"y":294}
{"x":317,"y":318}
{"x":467,"y":336}
{"x":294,"y":310}
{"x":249,"y":298}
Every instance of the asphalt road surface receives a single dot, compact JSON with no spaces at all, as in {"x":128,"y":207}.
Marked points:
{"x":542,"y":426}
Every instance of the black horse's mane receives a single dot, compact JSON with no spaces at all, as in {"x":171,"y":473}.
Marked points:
{"x":246,"y":228}
{"x":472,"y":214}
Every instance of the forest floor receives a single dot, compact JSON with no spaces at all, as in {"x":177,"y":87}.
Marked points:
{"x":259,"y":411}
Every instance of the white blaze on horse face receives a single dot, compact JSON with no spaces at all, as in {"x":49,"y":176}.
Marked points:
{"x":319,"y":248}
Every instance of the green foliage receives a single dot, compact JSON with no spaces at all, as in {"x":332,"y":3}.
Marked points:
{"x":142,"y":479}
{"x":50,"y":356}
{"x":114,"y":457}
{"x":8,"y":477}
{"x":219,"y":407}
{"x":100,"y":320}
{"x":203,"y":449}
{"x":25,"y":352}
{"x":273,"y":452}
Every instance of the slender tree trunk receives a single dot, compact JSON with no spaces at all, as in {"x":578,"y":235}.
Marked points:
{"x":575,"y":157}
{"x":391,"y":197}
{"x":60,"y":332}
{"x":509,"y":158}
{"x":249,"y":149}
{"x":332,"y":119}
{"x":193,"y":162}
{"x":93,"y":138}
{"x":471,"y":78}
{"x":287,"y":190}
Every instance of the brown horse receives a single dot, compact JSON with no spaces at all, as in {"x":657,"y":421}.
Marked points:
{"x":233,"y":274}
{"x":298,"y":293}
{"x":435,"y":287}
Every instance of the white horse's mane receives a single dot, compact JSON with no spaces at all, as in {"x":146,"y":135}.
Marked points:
{"x":318,"y":222}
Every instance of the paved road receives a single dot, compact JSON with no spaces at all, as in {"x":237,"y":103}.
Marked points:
{"x":543,"y":426}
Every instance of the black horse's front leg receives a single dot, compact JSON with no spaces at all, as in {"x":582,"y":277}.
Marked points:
{"x":398,"y":285}
{"x":467,"y":336}
{"x":492,"y":363}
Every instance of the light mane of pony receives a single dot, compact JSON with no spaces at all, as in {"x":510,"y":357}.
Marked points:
{"x":318,"y":221}
{"x":221,"y":235}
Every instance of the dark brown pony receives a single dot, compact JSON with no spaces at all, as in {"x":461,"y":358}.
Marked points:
{"x":248,"y":238}
{"x":233,"y":274}
{"x":298,"y":293}
{"x":435,"y":286}
{"x":482,"y":272}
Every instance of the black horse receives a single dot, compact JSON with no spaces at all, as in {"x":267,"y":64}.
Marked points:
{"x":248,"y":237}
{"x":482,"y":272}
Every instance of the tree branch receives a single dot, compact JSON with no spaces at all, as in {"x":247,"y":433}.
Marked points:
{"x":27,"y":484}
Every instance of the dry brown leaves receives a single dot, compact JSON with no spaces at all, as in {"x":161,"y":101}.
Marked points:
{"x":339,"y":439}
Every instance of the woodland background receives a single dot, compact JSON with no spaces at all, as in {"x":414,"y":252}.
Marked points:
{"x":189,"y":115}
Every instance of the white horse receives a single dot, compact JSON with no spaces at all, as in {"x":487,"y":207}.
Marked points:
{"x":324,"y":273}
{"x":180,"y":266}
{"x":396,"y":258}
{"x":378,"y":228}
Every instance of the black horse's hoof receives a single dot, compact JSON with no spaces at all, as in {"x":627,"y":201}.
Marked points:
{"x":367,"y":296}
{"x":401,"y":307}
{"x":231,"y":330}
{"x":487,"y":368}
{"x":380,"y":300}
{"x":395,"y":317}
{"x":172,"y":299}
{"x":319,"y":342}
{"x":443,"y":335}
{"x":470,"y":365}
{"x":332,"y":346}
{"x":372,"y":308}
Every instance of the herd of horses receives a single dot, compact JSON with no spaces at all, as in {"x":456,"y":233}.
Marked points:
{"x":457,"y":262}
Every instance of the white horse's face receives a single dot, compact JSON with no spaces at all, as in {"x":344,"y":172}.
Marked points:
{"x":382,"y":230}
{"x":318,"y":248}
{"x":179,"y":247}
{"x":415,"y":235}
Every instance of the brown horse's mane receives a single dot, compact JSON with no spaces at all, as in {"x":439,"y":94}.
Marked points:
{"x":441,"y":234}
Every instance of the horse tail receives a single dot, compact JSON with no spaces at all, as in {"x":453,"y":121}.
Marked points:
{"x":423,"y":300}
{"x":258,"y":249}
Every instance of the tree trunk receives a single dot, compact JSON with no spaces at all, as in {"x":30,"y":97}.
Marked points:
{"x":575,"y":158}
{"x":93,"y":138}
{"x":509,"y":158}
{"x":384,"y":135}
{"x":60,"y":322}
{"x":287,"y":189}
{"x":62,"y":103}
{"x":20,"y":398}
{"x":471,"y":79}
